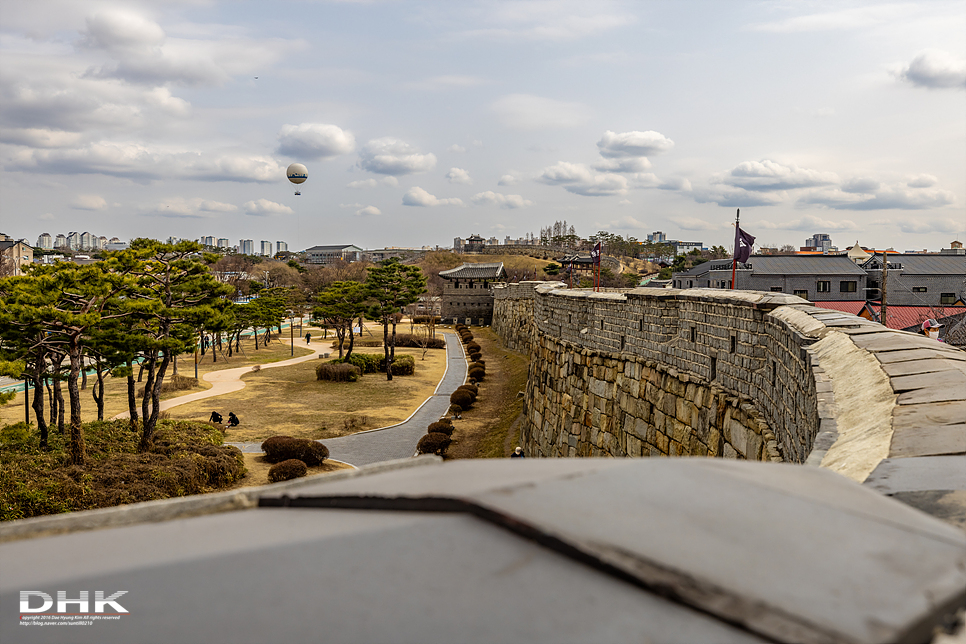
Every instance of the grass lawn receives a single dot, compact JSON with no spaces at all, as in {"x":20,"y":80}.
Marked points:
{"x":257,"y":468}
{"x":487,"y":429}
{"x":115,"y":389}
{"x":290,"y":401}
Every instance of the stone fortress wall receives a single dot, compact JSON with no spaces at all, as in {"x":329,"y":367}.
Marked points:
{"x":739,"y":374}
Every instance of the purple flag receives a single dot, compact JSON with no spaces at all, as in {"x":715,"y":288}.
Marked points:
{"x":595,"y":254}
{"x":743,"y":245}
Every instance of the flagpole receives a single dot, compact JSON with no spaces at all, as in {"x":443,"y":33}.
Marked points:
{"x":734,"y":258}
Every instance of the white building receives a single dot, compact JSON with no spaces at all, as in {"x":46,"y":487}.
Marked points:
{"x":246,"y":246}
{"x":266,"y":248}
{"x":86,"y":241}
{"x":281,"y":247}
{"x":222,"y":242}
{"x":101,"y":242}
{"x":60,"y":242}
{"x":45,"y":241}
{"x":73,"y":240}
{"x":208,"y":241}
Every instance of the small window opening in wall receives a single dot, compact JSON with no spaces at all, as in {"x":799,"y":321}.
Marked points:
{"x":774,"y":373}
{"x":623,"y":342}
{"x":694,"y":334}
{"x":570,"y":318}
{"x":734,"y":344}
{"x":714,"y":368}
{"x":601,"y":325}
{"x":640,"y":325}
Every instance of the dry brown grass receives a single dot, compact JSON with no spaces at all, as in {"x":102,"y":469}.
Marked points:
{"x":258,"y":467}
{"x":290,"y":401}
{"x":485,"y":430}
{"x":115,"y":389}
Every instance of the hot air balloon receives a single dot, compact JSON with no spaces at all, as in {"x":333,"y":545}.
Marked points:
{"x":297,"y":173}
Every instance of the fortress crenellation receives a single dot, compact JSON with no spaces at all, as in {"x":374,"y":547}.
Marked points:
{"x":707,"y":372}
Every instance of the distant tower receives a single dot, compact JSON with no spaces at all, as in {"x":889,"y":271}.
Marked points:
{"x":45,"y":241}
{"x":266,"y":248}
{"x":281,"y":247}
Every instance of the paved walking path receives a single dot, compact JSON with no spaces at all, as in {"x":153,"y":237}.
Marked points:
{"x":226,"y":381}
{"x":397,"y":441}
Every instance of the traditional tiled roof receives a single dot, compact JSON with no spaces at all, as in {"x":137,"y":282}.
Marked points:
{"x":484,"y":271}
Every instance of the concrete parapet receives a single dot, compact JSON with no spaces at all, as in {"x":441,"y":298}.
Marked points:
{"x":740,"y":374}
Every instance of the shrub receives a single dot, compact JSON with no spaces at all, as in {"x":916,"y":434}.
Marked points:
{"x":473,"y":392}
{"x":357,"y":342}
{"x":426,"y":319}
{"x":472,"y":347}
{"x":445,"y":420}
{"x":434,"y":443}
{"x":440,"y":428}
{"x":478,"y":364}
{"x":470,"y":387}
{"x":462,"y":398}
{"x":403,"y":365}
{"x":367,"y":362}
{"x":454,"y":409}
{"x":475,"y":356}
{"x":467,"y":336}
{"x":287,"y":470}
{"x":285,"y":448}
{"x":413,"y":341}
{"x":477,"y":374}
{"x":338,"y":372}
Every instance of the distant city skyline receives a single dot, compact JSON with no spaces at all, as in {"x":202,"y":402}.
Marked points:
{"x":424,"y":121}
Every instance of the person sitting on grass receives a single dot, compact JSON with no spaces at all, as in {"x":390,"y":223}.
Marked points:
{"x":215,"y":418}
{"x":232,"y":419}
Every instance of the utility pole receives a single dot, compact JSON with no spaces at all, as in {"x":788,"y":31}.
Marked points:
{"x":291,"y":332}
{"x":26,"y":400}
{"x":883,"y":312}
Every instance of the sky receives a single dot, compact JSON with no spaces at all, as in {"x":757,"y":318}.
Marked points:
{"x":424,"y":121}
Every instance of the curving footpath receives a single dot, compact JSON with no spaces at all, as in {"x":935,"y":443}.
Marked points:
{"x":226,"y":381}
{"x":399,"y":440}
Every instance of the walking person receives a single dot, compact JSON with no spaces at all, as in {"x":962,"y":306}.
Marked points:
{"x":308,"y":338}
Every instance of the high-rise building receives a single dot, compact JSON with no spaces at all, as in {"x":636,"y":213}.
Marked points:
{"x":86,"y":241}
{"x":173,"y":240}
{"x":45,"y":241}
{"x":101,"y":242}
{"x":657,"y":237}
{"x":266,"y":248}
{"x":60,"y":241}
{"x":819,"y":241}
{"x":222,"y":242}
{"x":73,"y":240}
{"x":208,"y":241}
{"x":281,"y":247}
{"x":246,"y":246}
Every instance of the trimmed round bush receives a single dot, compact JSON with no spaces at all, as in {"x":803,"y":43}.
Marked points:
{"x":470,"y":387}
{"x":473,"y":347}
{"x":314,"y":453}
{"x":284,"y":448}
{"x":434,"y":443}
{"x":462,"y":398}
{"x":467,"y":337}
{"x":338,"y":372}
{"x":441,"y":428}
{"x":477,"y":364}
{"x":477,"y":374}
{"x":480,"y":362}
{"x":475,"y":356}
{"x":287,"y":470}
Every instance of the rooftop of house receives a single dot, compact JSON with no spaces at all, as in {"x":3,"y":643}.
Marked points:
{"x":332,"y":248}
{"x":483,"y":271}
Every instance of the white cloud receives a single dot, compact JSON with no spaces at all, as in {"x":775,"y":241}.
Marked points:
{"x":458,"y":175}
{"x":676,"y":183}
{"x":934,"y":69}
{"x":887,"y":197}
{"x":579,"y":179}
{"x":508,"y":202}
{"x":860,"y":185}
{"x":266,"y":208}
{"x":922,"y":181}
{"x":459,"y":149}
{"x":561,"y":20}
{"x":809,"y":223}
{"x":416,"y":196}
{"x":509,"y":180}
{"x":622,"y":223}
{"x":314,"y":141}
{"x":628,"y":145}
{"x":181,"y":207}
{"x":47,"y":216}
{"x":368,"y":211}
{"x":40,"y":137}
{"x":392,"y":182}
{"x":930,"y":225}
{"x":394,"y":157}
{"x":693,"y":223}
{"x":624,"y":202}
{"x":767,"y":175}
{"x":89,"y":202}
{"x":631,"y":165}
{"x":528,"y":112}
{"x":845,"y":19}
{"x":730,"y":196}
